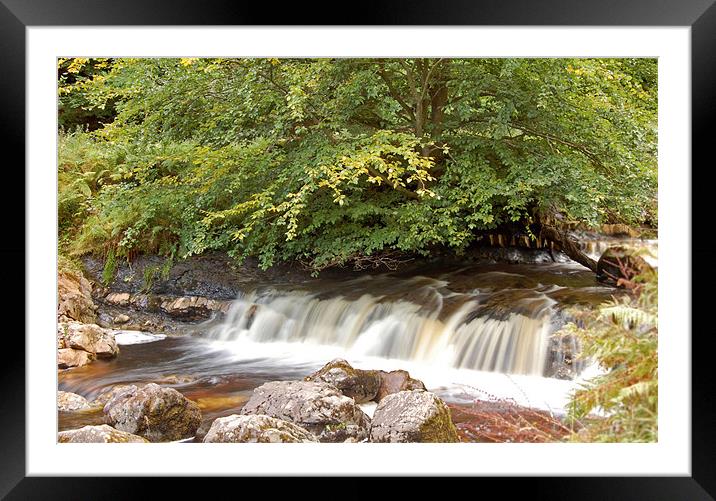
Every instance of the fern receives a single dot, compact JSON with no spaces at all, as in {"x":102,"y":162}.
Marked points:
{"x":627,"y":315}
{"x":623,"y":338}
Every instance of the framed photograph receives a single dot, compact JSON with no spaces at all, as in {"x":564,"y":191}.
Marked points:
{"x":436,"y":225}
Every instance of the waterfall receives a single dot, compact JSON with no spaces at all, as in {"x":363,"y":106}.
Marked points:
{"x":595,"y":246}
{"x":416,"y":319}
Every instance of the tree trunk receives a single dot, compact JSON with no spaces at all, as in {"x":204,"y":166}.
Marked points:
{"x":569,"y":246}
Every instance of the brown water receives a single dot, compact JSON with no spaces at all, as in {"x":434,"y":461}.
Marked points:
{"x":453,"y":327}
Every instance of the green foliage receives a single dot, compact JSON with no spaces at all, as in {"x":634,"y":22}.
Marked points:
{"x":110,"y":268}
{"x":74,"y":109}
{"x":623,"y":337}
{"x":151,"y":272}
{"x":327,"y":161}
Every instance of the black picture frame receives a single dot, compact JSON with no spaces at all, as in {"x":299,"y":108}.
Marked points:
{"x":700,"y":15}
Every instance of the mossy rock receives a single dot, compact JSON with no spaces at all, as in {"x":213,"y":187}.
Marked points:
{"x":412,"y":416}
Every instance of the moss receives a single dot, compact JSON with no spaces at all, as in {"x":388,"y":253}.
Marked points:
{"x":439,"y":428}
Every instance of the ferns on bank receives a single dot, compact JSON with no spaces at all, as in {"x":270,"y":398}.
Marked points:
{"x":622,"y":336}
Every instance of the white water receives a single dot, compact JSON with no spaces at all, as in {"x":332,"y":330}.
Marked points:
{"x":126,"y":337}
{"x":469,"y":334}
{"x":452,"y":384}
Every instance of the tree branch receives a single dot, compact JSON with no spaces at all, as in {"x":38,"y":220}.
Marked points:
{"x":394,"y":94}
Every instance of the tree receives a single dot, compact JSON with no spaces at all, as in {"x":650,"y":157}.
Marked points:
{"x":332,"y":160}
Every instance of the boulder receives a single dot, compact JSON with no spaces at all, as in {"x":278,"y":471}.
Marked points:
{"x":91,"y":338}
{"x":412,"y":416}
{"x":97,"y":434}
{"x":256,"y":428}
{"x":395,"y":381}
{"x":74,"y":298}
{"x":69,"y":357}
{"x":361,"y":385}
{"x":121,"y":319}
{"x":107,"y":395}
{"x":618,"y":265}
{"x":70,"y":402}
{"x":317,"y":407}
{"x":155,"y":413}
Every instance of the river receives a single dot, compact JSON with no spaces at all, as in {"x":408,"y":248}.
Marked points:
{"x":469,"y":332}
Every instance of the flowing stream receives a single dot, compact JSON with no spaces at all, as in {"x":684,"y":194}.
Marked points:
{"x":467,"y":331}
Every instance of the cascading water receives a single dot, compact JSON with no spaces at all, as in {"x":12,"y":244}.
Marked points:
{"x":419,"y":320}
{"x":462,"y":330}
{"x":595,"y":246}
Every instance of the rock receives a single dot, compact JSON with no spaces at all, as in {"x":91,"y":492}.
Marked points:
{"x":117,"y":298}
{"x":69,"y":402}
{"x":155,"y":413}
{"x":176,"y":379}
{"x":91,"y":338}
{"x":256,"y":428}
{"x":190,"y":307}
{"x":317,"y":407}
{"x":203,"y":429}
{"x":97,"y":434}
{"x":108,"y":395}
{"x":361,"y":385}
{"x":74,"y":298}
{"x":68,"y":358}
{"x":412,"y":416}
{"x":121,"y":319}
{"x":395,"y":381}
{"x":619,"y":265}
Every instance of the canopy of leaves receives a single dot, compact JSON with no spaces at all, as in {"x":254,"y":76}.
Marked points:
{"x":327,"y":160}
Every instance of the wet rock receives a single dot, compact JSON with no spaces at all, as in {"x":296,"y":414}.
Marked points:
{"x":395,"y":381}
{"x":412,"y":416}
{"x":74,"y":293}
{"x":361,"y":385}
{"x":176,"y":379}
{"x":212,"y":274}
{"x":70,"y":402}
{"x":256,"y":428}
{"x":619,"y":265}
{"x":97,"y":434}
{"x":155,"y":413}
{"x":563,"y":361}
{"x":91,"y":338}
{"x":317,"y":407}
{"x":69,"y":357}
{"x":121,"y":319}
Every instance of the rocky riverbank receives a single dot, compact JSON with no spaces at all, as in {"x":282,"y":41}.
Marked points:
{"x":338,"y":403}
